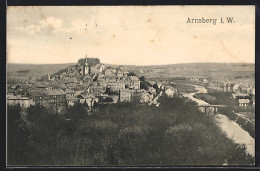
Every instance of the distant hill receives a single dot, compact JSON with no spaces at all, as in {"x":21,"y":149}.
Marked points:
{"x":23,"y":71}
{"x":232,"y":71}
{"x":207,"y":70}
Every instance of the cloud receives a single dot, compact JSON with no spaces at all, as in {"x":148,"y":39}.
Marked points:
{"x":51,"y":24}
{"x":48,"y":24}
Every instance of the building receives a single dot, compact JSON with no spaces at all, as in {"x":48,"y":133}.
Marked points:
{"x":119,"y":73}
{"x":132,"y":95}
{"x":99,"y":68}
{"x":53,"y":99}
{"x":125,"y":95}
{"x":71,"y":101}
{"x":133,"y":83}
{"x":110,"y":71}
{"x":88,"y":98}
{"x":146,"y":97}
{"x":170,"y":92}
{"x":69,"y":93}
{"x":78,"y":91}
{"x":152,"y":90}
{"x":227,"y":87}
{"x":243,"y":102}
{"x":24,"y":102}
{"x":116,"y":86}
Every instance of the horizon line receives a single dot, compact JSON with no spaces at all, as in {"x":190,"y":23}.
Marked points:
{"x":135,"y":64}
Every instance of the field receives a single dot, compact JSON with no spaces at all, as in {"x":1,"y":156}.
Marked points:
{"x":207,"y":70}
{"x":184,"y":88}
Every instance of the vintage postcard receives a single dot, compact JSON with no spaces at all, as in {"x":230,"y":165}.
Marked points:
{"x":130,"y":85}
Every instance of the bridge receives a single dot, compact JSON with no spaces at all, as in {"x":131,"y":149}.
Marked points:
{"x":215,"y":107}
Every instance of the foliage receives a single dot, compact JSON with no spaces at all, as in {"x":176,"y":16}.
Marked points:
{"x":131,"y":73}
{"x":77,"y":112}
{"x":93,"y":61}
{"x":144,"y":84}
{"x":82,"y":61}
{"x":175,"y":133}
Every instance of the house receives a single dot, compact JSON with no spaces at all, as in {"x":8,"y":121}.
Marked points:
{"x":110,"y":71}
{"x":124,"y":70}
{"x":236,"y":87}
{"x":119,"y":73}
{"x":116,"y":86}
{"x":88,"y":98}
{"x":170,"y":92}
{"x":53,"y":99}
{"x":146,"y":97}
{"x":128,"y":95}
{"x":227,"y":87}
{"x":24,"y":102}
{"x":125,"y":95}
{"x":71,"y":101}
{"x":78,"y":91}
{"x":243,"y":102}
{"x":239,"y":95}
{"x":99,"y":68}
{"x":152,"y":90}
{"x":69,"y":93}
{"x":134,"y":82}
{"x":42,"y":86}
{"x":56,"y":99}
{"x":111,"y":79}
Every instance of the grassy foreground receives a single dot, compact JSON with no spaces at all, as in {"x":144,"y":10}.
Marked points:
{"x":124,"y":134}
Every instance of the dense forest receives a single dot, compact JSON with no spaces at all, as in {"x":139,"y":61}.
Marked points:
{"x":123,"y":134}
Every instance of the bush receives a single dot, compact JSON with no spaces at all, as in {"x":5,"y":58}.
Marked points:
{"x":175,"y":133}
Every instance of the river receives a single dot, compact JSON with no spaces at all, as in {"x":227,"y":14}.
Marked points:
{"x":232,"y":129}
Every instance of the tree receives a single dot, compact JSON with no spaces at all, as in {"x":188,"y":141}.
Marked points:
{"x":142,"y":78}
{"x":156,"y":87}
{"x":95,"y":105}
{"x":14,"y":136}
{"x":93,"y":61}
{"x":76,"y":112}
{"x":131,"y":73}
{"x":81,"y":61}
{"x":108,"y":99}
{"x":143,"y":85}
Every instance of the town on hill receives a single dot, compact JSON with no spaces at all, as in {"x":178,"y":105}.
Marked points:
{"x":91,"y":82}
{"x":88,"y":82}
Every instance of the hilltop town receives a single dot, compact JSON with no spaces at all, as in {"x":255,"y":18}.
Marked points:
{"x":91,"y":82}
{"x":88,"y":82}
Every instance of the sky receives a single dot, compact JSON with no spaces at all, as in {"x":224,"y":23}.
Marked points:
{"x":130,"y":35}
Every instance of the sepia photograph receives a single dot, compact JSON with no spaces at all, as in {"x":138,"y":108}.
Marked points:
{"x":152,"y":85}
